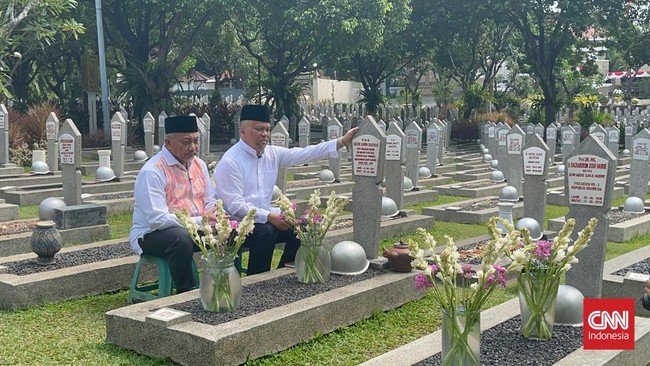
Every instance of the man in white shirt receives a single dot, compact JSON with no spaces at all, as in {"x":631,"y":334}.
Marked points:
{"x":172,"y":180}
{"x":245,"y":178}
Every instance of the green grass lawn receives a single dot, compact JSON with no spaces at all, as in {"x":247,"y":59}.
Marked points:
{"x":73,"y":332}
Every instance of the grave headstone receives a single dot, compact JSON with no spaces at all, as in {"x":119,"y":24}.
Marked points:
{"x":433,"y":139}
{"x":293,"y":127}
{"x":325,"y":122}
{"x":535,"y":167}
{"x":395,"y":169}
{"x":630,"y":130}
{"x":70,"y":157}
{"x":4,"y":137}
{"x":368,"y":162}
{"x":413,"y":144}
{"x":303,"y":132}
{"x":613,"y":136}
{"x":443,"y":140}
{"x":568,"y":141}
{"x":530,"y":130}
{"x":514,"y":147}
{"x":639,"y":172}
{"x":202,"y":135}
{"x":382,"y":125}
{"x":502,"y":148}
{"x":280,"y":137}
{"x":578,"y":132}
{"x":334,"y":131}
{"x":285,"y":121}
{"x":491,"y":139}
{"x":161,"y":128}
{"x":347,"y":124}
{"x":599,"y":133}
{"x":52,"y":133}
{"x":539,"y":130}
{"x":589,"y":182}
{"x":148,"y":123}
{"x":236,"y":125}
{"x":551,"y":142}
{"x":124,"y":113}
{"x":207,"y":121}
{"x":117,"y":133}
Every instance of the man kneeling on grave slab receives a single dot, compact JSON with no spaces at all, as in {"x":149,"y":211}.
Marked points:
{"x":246,"y":175}
{"x":172,"y":180}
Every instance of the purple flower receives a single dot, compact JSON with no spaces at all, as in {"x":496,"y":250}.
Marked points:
{"x":293,"y":206}
{"x":543,"y":250}
{"x":234,"y":224}
{"x":489,"y":281}
{"x":467,"y":271}
{"x":422,"y":282}
{"x":281,"y":217}
{"x":434,"y":268}
{"x":501,"y":274}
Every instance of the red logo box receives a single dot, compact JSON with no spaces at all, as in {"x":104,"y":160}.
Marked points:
{"x":608,"y":324}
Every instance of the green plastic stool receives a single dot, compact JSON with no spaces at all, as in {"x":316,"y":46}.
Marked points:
{"x":164,"y":284}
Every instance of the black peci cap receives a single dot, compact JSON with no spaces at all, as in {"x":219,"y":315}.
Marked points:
{"x":181,"y":124}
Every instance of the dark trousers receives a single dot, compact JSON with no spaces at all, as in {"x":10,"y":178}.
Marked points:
{"x":261,"y":244}
{"x":177,"y":246}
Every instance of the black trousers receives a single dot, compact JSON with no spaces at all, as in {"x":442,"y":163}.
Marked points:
{"x":177,"y":246}
{"x":261,"y":244}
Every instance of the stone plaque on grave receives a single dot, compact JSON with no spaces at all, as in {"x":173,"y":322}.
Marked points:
{"x":613,"y":137}
{"x":502,"y":146}
{"x":368,"y":160}
{"x":639,"y":172}
{"x":66,"y":143}
{"x":413,"y":142}
{"x":539,"y":129}
{"x":365,"y":155}
{"x":535,"y":168}
{"x":280,"y":137}
{"x":589,"y":182}
{"x":51,"y":132}
{"x":395,"y":169}
{"x":534,"y":161}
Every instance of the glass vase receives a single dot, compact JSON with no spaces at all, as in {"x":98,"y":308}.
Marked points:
{"x":537,"y":299}
{"x":220,"y":287}
{"x":313,"y":263}
{"x":461,"y":337}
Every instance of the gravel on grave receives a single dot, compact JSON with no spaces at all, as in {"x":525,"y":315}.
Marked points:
{"x":472,"y":253}
{"x":638,"y":267}
{"x":618,"y":216}
{"x":503,"y":344}
{"x":303,"y":183}
{"x":478,"y":185}
{"x":110,"y":196}
{"x":17,"y":227}
{"x":70,"y":259}
{"x":480,"y":205}
{"x":271,"y":293}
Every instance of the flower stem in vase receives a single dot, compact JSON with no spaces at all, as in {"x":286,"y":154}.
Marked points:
{"x":461,"y":337}
{"x":537,"y":300}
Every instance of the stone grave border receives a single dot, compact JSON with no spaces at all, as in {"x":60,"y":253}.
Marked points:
{"x":621,"y":286}
{"x":449,"y":213}
{"x":16,"y":244}
{"x":32,"y":195}
{"x":492,"y":189}
{"x":232,"y":343}
{"x":429,"y":345}
{"x":618,"y":233}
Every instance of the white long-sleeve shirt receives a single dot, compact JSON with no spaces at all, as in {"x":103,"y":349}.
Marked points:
{"x":164,"y":186}
{"x":245,"y":181}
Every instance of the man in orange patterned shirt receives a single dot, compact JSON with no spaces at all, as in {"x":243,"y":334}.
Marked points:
{"x":172,"y":180}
